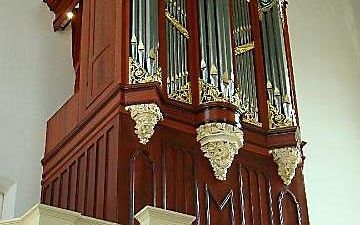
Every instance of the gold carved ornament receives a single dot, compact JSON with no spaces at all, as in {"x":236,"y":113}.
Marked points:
{"x":183,"y":94}
{"x":220,"y":142}
{"x":137,"y":74}
{"x":277,"y":119}
{"x":177,"y":25}
{"x":288,"y":159}
{"x":146,"y":116}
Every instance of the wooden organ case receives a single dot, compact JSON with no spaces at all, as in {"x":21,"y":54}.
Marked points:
{"x":187,"y":105}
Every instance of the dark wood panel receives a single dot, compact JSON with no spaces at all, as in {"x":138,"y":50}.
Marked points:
{"x":73,"y":187}
{"x":64,"y":192}
{"x":81,"y":183}
{"x":219,"y":211}
{"x":143,"y":182}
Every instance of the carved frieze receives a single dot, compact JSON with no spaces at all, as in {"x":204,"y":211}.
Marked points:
{"x":146,"y":116}
{"x":220,"y":142}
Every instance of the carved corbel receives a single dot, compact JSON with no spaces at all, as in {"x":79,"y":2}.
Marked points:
{"x":287,"y":160}
{"x":220,"y":142}
{"x":146,"y":116}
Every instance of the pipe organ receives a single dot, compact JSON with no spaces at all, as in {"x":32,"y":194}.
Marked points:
{"x":187,"y":105}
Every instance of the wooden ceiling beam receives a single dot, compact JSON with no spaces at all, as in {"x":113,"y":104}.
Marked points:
{"x":60,"y":8}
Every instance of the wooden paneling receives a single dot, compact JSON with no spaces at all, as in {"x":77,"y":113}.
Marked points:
{"x":88,"y":181}
{"x":62,"y":122}
{"x":112,"y":177}
{"x":98,"y":49}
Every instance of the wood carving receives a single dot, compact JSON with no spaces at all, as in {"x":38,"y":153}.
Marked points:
{"x":141,"y":62}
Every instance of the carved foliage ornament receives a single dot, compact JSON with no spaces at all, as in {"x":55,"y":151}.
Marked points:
{"x":146,"y":116}
{"x":137,"y":74}
{"x":287,"y":159}
{"x":277,"y":119}
{"x":183,"y":94}
{"x":220,"y":142}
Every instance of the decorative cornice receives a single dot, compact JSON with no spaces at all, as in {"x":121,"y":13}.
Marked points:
{"x":183,"y":94}
{"x":287,"y":159}
{"x":220,"y":142}
{"x":277,"y":119}
{"x":146,"y":116}
{"x":137,"y":74}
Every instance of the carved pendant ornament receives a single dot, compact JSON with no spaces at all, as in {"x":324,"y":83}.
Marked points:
{"x":287,"y":159}
{"x":146,"y":116}
{"x":220,"y":142}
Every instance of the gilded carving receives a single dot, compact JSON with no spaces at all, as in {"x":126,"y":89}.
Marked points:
{"x":183,"y":94}
{"x":277,"y":119}
{"x":137,"y":74}
{"x":248,"y":115}
{"x":177,"y":25}
{"x":287,"y":159}
{"x":146,"y":116}
{"x":220,"y":142}
{"x":210,"y":93}
{"x":244,"y":48}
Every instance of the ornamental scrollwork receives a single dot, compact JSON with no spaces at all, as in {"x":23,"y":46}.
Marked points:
{"x":146,"y":116}
{"x":220,"y":142}
{"x":248,"y":114}
{"x":138,"y":75}
{"x":287,"y":159}
{"x":277,"y":119}
{"x":210,"y":93}
{"x":183,"y":94}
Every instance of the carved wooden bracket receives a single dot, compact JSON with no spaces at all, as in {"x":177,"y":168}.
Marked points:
{"x":220,"y":142}
{"x":146,"y":116}
{"x":287,"y":160}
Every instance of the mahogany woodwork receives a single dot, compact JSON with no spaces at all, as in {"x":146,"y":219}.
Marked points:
{"x":93,"y":161}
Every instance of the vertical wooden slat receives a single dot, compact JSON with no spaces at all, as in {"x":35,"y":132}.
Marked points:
{"x":91,"y":181}
{"x":194,"y":50}
{"x":56,"y":192}
{"x":64,"y":189}
{"x":111,"y":176}
{"x":263,"y":200}
{"x":100,"y":177}
{"x":260,"y":79}
{"x":47,"y":195}
{"x":254,"y":198}
{"x":82,"y":183}
{"x":73,"y":186}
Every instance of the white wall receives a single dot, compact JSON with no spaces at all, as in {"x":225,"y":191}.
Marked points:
{"x":325,"y":43}
{"x":36,"y":77}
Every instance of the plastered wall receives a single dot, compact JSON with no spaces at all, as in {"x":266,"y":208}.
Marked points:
{"x":36,"y":77}
{"x":325,"y":42}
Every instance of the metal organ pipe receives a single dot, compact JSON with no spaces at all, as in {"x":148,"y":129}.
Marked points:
{"x":278,"y":85}
{"x":221,"y":63}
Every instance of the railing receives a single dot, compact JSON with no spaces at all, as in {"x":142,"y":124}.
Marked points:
{"x":228,"y":71}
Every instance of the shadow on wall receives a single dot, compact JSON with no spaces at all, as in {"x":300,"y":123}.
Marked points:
{"x":7,"y":198}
